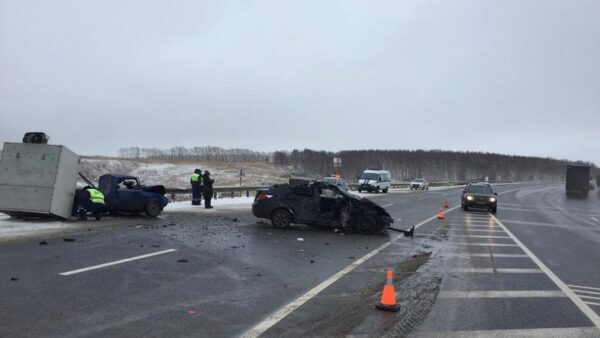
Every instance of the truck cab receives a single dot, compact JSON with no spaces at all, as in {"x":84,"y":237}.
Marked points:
{"x":125,"y":194}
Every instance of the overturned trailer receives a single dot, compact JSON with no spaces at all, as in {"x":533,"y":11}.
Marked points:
{"x":37,"y":179}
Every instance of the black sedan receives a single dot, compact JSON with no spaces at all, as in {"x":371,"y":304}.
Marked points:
{"x":479,"y":195}
{"x":321,"y":204}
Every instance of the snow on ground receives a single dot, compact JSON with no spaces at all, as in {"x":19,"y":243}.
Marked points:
{"x":221,"y":203}
{"x":177,"y":174}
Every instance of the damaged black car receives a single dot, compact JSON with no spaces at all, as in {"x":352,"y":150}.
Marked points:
{"x":320,"y":204}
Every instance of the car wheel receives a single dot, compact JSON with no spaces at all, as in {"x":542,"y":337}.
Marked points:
{"x":281,"y":218}
{"x":465,"y":207}
{"x":359,"y":191}
{"x":493,"y":211}
{"x":153,"y":208}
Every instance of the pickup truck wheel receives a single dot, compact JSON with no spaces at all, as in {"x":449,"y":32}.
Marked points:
{"x":153,"y":208}
{"x":377,"y":190}
{"x":385,"y":190}
{"x":281,"y":218}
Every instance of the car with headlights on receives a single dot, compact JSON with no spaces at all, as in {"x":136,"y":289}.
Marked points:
{"x":479,"y":195}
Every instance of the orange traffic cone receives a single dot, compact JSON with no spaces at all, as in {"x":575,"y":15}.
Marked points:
{"x":388,"y":297}
{"x":445,"y":204}
{"x":441,"y":214}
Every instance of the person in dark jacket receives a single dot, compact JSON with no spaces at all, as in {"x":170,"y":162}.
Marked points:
{"x":196,"y":182}
{"x":207,"y":189}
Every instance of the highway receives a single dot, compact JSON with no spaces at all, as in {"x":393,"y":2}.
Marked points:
{"x":530,"y":270}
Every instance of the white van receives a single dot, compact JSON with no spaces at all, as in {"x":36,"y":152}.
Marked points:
{"x":374,"y":180}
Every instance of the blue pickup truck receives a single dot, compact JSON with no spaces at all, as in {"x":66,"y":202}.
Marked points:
{"x":125,"y":194}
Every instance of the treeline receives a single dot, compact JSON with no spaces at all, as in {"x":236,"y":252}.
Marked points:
{"x":434,"y":165}
{"x":207,"y":153}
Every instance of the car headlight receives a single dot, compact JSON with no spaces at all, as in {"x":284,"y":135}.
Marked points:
{"x":470,"y":198}
{"x":492,"y":199}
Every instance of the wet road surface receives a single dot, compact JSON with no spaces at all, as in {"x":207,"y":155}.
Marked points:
{"x":225,"y":273}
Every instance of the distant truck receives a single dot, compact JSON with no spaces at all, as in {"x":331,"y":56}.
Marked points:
{"x":578,"y":180}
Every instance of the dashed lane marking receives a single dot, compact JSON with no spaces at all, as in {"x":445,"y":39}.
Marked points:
{"x":121,"y":261}
{"x":501,"y":294}
{"x":479,"y":236}
{"x":595,"y":219}
{"x":485,"y":244}
{"x":580,"y":332}
{"x":591,"y":314}
{"x":499,"y":255}
{"x":489,"y":270}
{"x":582,"y":287}
{"x":475,"y":230}
{"x":387,"y":205}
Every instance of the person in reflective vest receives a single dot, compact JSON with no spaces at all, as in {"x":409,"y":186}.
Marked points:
{"x":91,"y":200}
{"x":196,"y":182}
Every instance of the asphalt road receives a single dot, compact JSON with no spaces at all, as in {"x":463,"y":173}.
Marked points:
{"x":224,"y":273}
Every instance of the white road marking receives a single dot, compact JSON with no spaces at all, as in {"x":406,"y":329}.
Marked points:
{"x":590,"y":297}
{"x":484,"y":244}
{"x":595,"y":219}
{"x":496,"y":255}
{"x":591,"y":314}
{"x":387,"y":205}
{"x":582,"y":287}
{"x":590,"y":292}
{"x":580,"y":332}
{"x":501,"y":294}
{"x":488,"y":270}
{"x":592,"y":303}
{"x":276,"y":317}
{"x":479,"y":236}
{"x":473,"y":226}
{"x":273,"y":319}
{"x":72,"y":272}
{"x":475,"y":230}
{"x":434,"y":217}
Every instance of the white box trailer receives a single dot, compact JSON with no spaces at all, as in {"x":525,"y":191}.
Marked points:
{"x":37,"y":180}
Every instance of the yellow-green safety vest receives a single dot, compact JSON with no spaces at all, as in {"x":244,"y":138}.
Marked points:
{"x":196,"y":177}
{"x":96,"y":196}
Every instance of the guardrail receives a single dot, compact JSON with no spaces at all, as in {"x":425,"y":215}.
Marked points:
{"x":219,"y":192}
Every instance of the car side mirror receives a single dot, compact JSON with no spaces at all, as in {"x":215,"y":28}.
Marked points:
{"x":496,"y":194}
{"x":464,"y":191}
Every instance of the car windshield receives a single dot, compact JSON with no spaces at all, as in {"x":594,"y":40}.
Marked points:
{"x":418,"y":180}
{"x":330,"y":180}
{"x":369,"y":176}
{"x":479,"y":189}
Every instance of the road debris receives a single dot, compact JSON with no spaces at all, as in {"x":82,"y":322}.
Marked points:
{"x":68,"y":239}
{"x":300,"y":239}
{"x":14,"y":279}
{"x":43,"y":243}
{"x":182,"y":260}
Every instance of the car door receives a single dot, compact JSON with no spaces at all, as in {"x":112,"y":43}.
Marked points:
{"x":330,"y":203}
{"x":301,"y":201}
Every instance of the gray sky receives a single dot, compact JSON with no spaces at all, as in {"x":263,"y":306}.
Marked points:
{"x":517,"y":77}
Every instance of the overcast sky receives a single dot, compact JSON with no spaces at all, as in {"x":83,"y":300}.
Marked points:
{"x":516,"y":77}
